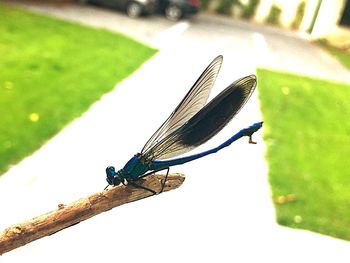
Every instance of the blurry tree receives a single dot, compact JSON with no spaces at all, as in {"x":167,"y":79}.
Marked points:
{"x":250,"y":9}
{"x":299,"y":15}
{"x":225,"y":6}
{"x":205,"y":4}
{"x":274,"y":15}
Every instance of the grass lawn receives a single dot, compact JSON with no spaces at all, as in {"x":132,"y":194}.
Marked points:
{"x":51,"y":71}
{"x":307,"y":132}
{"x":343,"y":56}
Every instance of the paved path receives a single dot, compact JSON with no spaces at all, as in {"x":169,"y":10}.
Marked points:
{"x":233,"y":222}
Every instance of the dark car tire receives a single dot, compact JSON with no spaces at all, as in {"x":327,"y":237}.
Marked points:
{"x":173,"y":12}
{"x":133,"y":9}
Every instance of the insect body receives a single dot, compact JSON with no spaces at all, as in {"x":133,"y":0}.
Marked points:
{"x":192,"y":123}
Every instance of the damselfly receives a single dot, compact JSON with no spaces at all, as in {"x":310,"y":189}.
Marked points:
{"x":192,"y":123}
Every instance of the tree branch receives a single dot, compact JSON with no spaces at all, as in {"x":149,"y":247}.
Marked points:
{"x":68,"y":215}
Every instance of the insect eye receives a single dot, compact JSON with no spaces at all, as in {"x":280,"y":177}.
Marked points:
{"x":110,"y":170}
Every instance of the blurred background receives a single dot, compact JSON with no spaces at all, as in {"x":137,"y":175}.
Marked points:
{"x":84,"y":84}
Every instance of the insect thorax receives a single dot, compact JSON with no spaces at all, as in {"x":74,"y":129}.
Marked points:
{"x":135,"y":167}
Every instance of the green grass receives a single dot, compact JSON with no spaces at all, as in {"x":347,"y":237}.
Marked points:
{"x":51,"y":71}
{"x":342,"y":55}
{"x":307,"y":132}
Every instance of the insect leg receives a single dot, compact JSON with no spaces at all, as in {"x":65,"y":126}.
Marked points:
{"x":152,"y":172}
{"x":134,"y":184}
{"x":163,"y":182}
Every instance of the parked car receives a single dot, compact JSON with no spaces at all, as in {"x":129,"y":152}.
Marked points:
{"x":176,"y":9}
{"x":133,"y":8}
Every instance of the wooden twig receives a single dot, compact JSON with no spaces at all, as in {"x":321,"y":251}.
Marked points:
{"x":67,"y":215}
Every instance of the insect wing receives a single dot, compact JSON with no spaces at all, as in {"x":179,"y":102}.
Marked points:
{"x":194,"y":100}
{"x":207,"y":122}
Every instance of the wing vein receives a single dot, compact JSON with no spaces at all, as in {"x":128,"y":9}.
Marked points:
{"x":194,"y":100}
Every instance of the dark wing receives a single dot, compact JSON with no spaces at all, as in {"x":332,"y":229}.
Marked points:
{"x":194,"y":100}
{"x":207,"y":122}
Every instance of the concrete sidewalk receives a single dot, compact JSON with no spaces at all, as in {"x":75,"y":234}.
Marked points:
{"x":222,"y":213}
